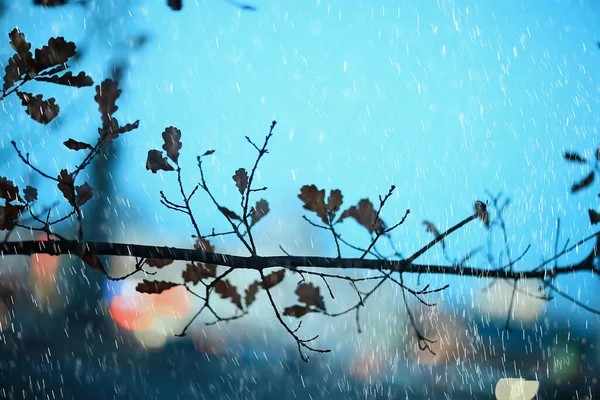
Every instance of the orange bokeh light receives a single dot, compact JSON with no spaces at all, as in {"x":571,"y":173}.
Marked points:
{"x":139,"y":311}
{"x":43,"y":266}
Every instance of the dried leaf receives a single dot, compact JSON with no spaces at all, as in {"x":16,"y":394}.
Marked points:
{"x":8,"y":190}
{"x":9,"y":214}
{"x":30,"y":193}
{"x":251,"y":292}
{"x":208,"y":153}
{"x":594,"y":217}
{"x":229,"y":214}
{"x":50,"y":3}
{"x":209,"y":269}
{"x":158,"y":263}
{"x":204,"y":245}
{"x":574,"y":157}
{"x":482,"y":213}
{"x":334,"y":201}
{"x":241,"y":179}
{"x":84,"y":194}
{"x":310,"y":295}
{"x":21,"y":46}
{"x":65,"y":185}
{"x":172,"y":138}
{"x":585,"y":182}
{"x":55,"y":53}
{"x":80,"y":80}
{"x":431,"y":228}
{"x":228,"y":291}
{"x":107,"y":94}
{"x":156,"y":162}
{"x":14,"y":71}
{"x":75,"y":145}
{"x":314,"y":200}
{"x":195,"y":272}
{"x":129,"y":127}
{"x":274,"y":278}
{"x":598,"y":153}
{"x":94,"y":261}
{"x":175,"y":5}
{"x":154,"y":287}
{"x":365,"y":215}
{"x":42,"y":111}
{"x":297,"y":311}
{"x":259,"y":211}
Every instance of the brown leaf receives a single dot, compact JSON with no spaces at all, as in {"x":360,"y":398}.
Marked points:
{"x":30,"y":193}
{"x":594,"y":217}
{"x":195,"y":272}
{"x":8,"y":190}
{"x":251,"y":292}
{"x":172,"y":139}
{"x":55,"y":53}
{"x":310,"y":295}
{"x":259,"y":211}
{"x":154,"y":287}
{"x":585,"y":182}
{"x":297,"y":311}
{"x":156,"y":162}
{"x":228,"y":291}
{"x":84,"y":193}
{"x":482,"y":213}
{"x":80,"y":80}
{"x":314,"y":200}
{"x":158,"y":263}
{"x":50,"y":3}
{"x":241,"y":179}
{"x":21,"y":46}
{"x":334,"y":201}
{"x":14,"y":71}
{"x":9,"y":214}
{"x":274,"y":278}
{"x":65,"y":185}
{"x":430,"y":227}
{"x":40,"y":110}
{"x":129,"y":127}
{"x":574,"y":157}
{"x":228,"y":213}
{"x":209,"y":269}
{"x":207,"y":153}
{"x":75,"y":145}
{"x":94,"y":261}
{"x":107,"y":94}
{"x":204,"y":245}
{"x":365,"y":215}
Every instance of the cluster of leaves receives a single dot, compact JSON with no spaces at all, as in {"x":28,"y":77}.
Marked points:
{"x":49,"y":61}
{"x":15,"y":202}
{"x":364,"y":213}
{"x":45,"y":66}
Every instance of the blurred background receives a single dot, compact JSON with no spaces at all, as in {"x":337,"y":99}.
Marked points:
{"x":447,"y":100}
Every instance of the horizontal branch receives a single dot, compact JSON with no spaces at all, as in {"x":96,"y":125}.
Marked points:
{"x":260,"y":263}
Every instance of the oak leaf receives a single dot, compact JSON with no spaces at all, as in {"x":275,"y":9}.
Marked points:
{"x":172,"y":143}
{"x":241,"y":179}
{"x":154,"y":287}
{"x":40,"y":110}
{"x":227,"y":291}
{"x":310,"y":295}
{"x":585,"y":182}
{"x":76,"y":145}
{"x":156,"y":162}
